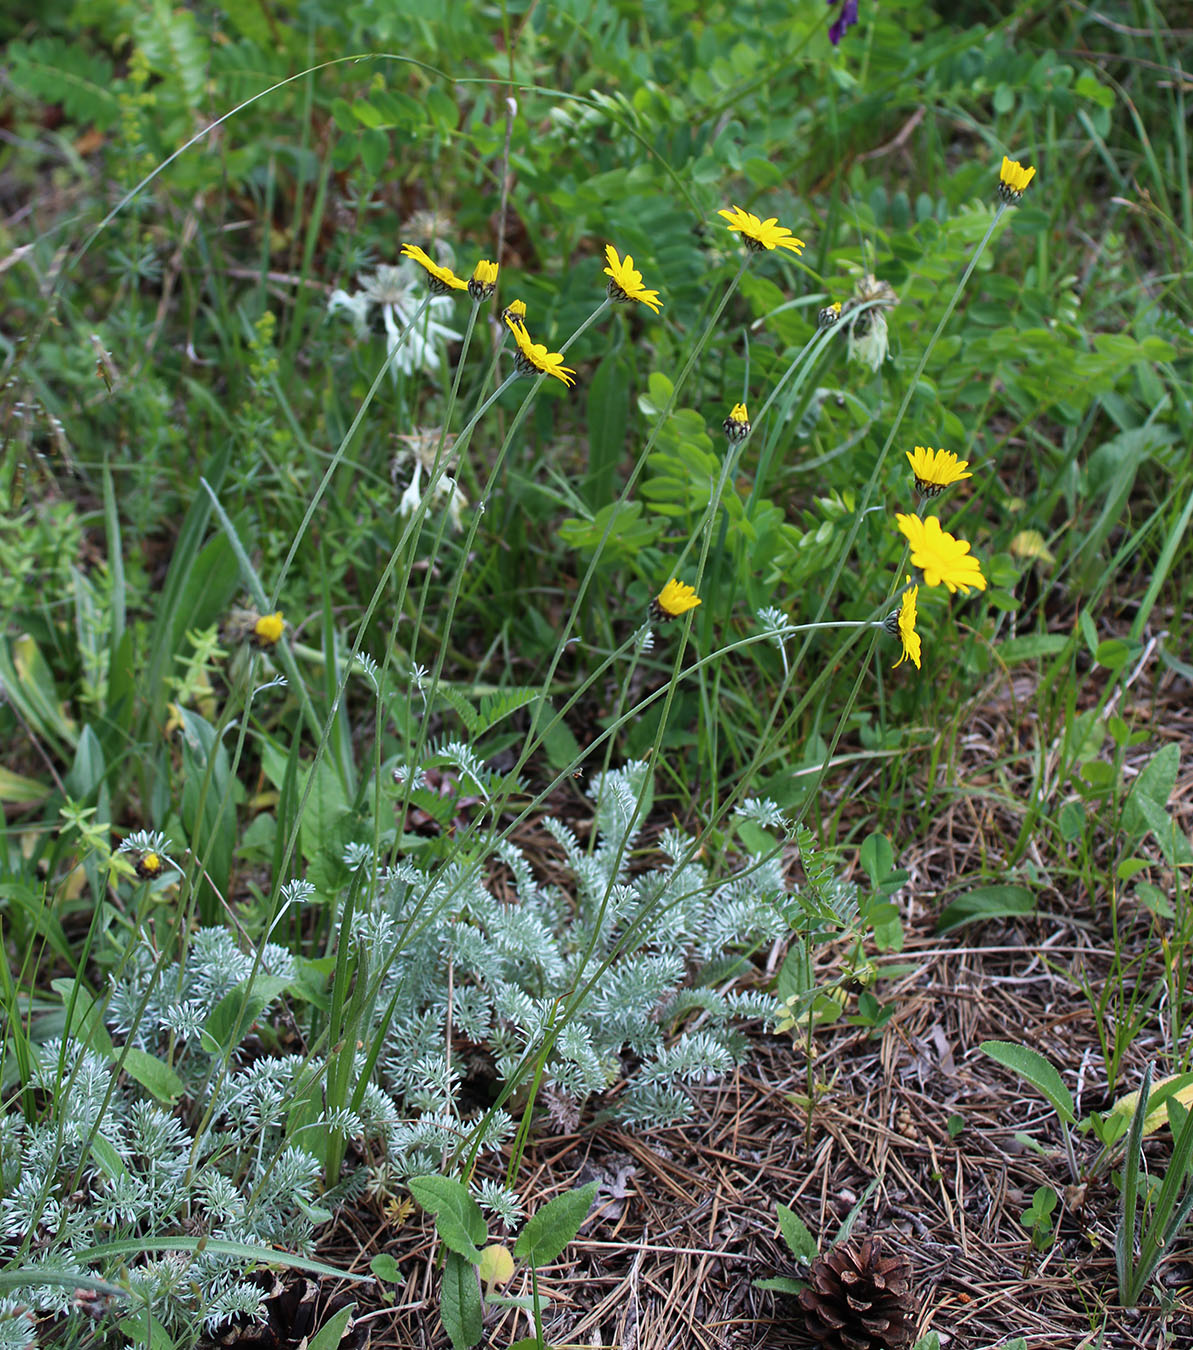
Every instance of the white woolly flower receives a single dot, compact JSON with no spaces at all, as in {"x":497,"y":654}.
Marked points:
{"x":399,"y":292}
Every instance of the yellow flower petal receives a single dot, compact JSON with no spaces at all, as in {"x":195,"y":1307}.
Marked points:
{"x":535,"y":359}
{"x":944,"y":560}
{"x":760,"y":234}
{"x":626,"y":283}
{"x":935,"y":470}
{"x":676,"y":598}
{"x":440,"y":279}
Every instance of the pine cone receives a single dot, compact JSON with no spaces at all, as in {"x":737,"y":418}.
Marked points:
{"x":859,"y":1299}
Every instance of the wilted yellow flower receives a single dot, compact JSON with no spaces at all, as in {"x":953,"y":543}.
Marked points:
{"x":676,"y":598}
{"x":534,"y":359}
{"x":268,"y":629}
{"x":441,"y":280}
{"x":737,"y":424}
{"x":626,"y":281}
{"x":944,"y":560}
{"x":1013,"y":178}
{"x":935,"y":470}
{"x":483,"y":281}
{"x":760,"y":234}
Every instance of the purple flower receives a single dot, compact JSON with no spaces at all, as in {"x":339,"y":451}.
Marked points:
{"x":846,"y":19}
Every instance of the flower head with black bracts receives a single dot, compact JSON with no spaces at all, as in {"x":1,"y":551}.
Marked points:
{"x":901,"y":624}
{"x":483,"y":281}
{"x":441,"y":280}
{"x":936,"y":470}
{"x":625,"y":282}
{"x":737,"y":424}
{"x":150,"y":846}
{"x":534,"y":359}
{"x":944,"y":560}
{"x":1013,"y":179}
{"x":676,"y":598}
{"x":760,"y":234}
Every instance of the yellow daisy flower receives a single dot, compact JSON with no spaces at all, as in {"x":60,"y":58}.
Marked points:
{"x":944,"y":560}
{"x":760,"y":234}
{"x":737,"y":424}
{"x":441,"y":280}
{"x":901,"y":624}
{"x":483,"y":281}
{"x":626,"y":281}
{"x":936,"y":470}
{"x":268,"y":629}
{"x":1013,"y":178}
{"x":534,"y":359}
{"x":676,"y":598}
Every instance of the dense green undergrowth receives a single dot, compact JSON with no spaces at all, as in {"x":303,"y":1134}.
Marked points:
{"x":324,"y":957}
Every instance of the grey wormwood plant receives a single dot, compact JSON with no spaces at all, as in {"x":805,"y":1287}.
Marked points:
{"x":238,"y":1149}
{"x":651,"y":940}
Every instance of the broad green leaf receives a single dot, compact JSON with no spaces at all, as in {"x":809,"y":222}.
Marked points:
{"x":87,"y":1022}
{"x":459,"y":1298}
{"x":384,"y":1267}
{"x":157,"y":1077}
{"x":878,"y":857}
{"x":145,"y":1332}
{"x":985,"y":902}
{"x":1038,"y":1071}
{"x":782,"y":1284}
{"x":333,"y":1331}
{"x":1146,"y":806}
{"x":229,"y":1021}
{"x":1032,"y":647}
{"x":457,"y":1215}
{"x":796,"y":1236}
{"x":550,"y":1230}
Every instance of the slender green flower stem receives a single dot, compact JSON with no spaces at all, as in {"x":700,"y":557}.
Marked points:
{"x":466,"y":550}
{"x":592,"y":318}
{"x":912,"y":384}
{"x":434,"y":475}
{"x":341,"y":449}
{"x":533,"y":738}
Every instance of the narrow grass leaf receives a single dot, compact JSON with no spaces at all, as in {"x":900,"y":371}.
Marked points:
{"x":1124,"y":1238}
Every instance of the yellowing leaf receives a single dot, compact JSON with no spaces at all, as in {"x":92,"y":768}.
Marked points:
{"x":496,"y":1265}
{"x":1125,"y":1106}
{"x":1030,"y":544}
